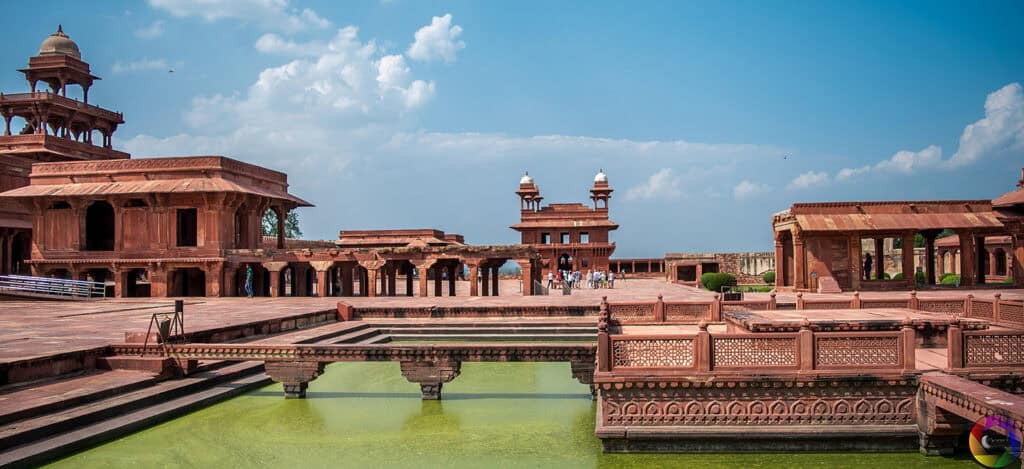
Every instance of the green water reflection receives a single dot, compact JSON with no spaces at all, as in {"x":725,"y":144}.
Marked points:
{"x":367,"y":415}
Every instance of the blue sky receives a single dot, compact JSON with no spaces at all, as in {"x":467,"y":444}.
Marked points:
{"x":707,"y":117}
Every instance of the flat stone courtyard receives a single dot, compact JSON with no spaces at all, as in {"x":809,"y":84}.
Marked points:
{"x":36,"y":329}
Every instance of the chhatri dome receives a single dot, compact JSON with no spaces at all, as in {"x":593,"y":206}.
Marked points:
{"x":526,"y":179}
{"x":601,"y":176}
{"x":59,"y":44}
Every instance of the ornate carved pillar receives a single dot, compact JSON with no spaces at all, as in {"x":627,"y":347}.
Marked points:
{"x":347,"y":282}
{"x":322,"y":269}
{"x":526,"y":274}
{"x":780,"y":262}
{"x":295,"y":376}
{"x":275,"y":276}
{"x":373,"y":271}
{"x":992,"y":264}
{"x":431,"y":375}
{"x":423,"y":267}
{"x":157,"y":280}
{"x":799,"y":260}
{"x":214,"y":275}
{"x":118,"y":281}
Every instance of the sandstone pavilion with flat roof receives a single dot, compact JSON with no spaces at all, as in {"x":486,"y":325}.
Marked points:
{"x":819,"y":246}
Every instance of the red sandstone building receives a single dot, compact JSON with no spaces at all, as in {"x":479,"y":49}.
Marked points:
{"x":818,"y":245}
{"x":568,"y":236}
{"x":47,"y":125}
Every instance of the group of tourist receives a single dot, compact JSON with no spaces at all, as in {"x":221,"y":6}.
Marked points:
{"x":575,"y":278}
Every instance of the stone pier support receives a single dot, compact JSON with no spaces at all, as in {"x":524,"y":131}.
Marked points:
{"x":275,"y":269}
{"x":583,"y":371}
{"x":431,"y":375}
{"x":295,"y":376}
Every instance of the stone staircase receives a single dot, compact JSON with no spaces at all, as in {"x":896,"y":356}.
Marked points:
{"x":44,"y":420}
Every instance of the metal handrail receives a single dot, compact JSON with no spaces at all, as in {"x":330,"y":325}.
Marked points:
{"x":51,"y":286}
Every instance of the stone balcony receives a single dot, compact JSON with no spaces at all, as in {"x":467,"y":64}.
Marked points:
{"x":67,"y":148}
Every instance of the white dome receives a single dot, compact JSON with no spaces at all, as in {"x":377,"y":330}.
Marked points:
{"x":601,"y":176}
{"x":526,"y":179}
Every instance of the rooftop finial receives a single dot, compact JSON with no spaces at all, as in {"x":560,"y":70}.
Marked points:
{"x":60,"y":28}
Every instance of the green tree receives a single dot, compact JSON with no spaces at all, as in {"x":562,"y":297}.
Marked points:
{"x":291,"y":225}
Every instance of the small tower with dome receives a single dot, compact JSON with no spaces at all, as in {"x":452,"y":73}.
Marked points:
{"x":529,"y":194}
{"x":601,"y":191}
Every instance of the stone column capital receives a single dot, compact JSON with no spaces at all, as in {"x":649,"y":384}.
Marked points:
{"x":274,"y":266}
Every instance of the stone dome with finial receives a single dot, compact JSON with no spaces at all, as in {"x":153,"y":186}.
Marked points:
{"x":601,"y":176}
{"x":526,"y":179}
{"x":60,"y":44}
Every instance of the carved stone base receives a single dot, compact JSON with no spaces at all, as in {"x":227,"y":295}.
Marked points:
{"x":295,"y":376}
{"x":431,"y":375}
{"x":583,"y":371}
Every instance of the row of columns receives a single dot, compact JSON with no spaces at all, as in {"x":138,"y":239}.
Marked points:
{"x":993,"y":261}
{"x":41,"y":122}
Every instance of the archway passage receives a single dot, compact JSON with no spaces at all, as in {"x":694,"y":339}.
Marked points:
{"x":19,"y":254}
{"x":188,"y":282}
{"x":99,"y":227}
{"x":136,"y":284}
{"x":1000,"y":262}
{"x":565,"y":262}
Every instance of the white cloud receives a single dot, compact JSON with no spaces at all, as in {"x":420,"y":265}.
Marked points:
{"x":660,"y":185}
{"x":271,"y":43}
{"x":1002,"y":128}
{"x":747,"y":189}
{"x":270,"y":14}
{"x":140,"y":66}
{"x":151,"y":31}
{"x":809,"y":179}
{"x":438,"y":40}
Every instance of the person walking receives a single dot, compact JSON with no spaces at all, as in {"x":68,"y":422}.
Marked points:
{"x":611,"y":279}
{"x":551,"y":279}
{"x":248,"y":282}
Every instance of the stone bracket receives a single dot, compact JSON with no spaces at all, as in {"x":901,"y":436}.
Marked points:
{"x":583,"y":371}
{"x":294,"y":375}
{"x":431,"y":375}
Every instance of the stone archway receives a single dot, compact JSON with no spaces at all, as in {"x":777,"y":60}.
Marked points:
{"x":99,"y":227}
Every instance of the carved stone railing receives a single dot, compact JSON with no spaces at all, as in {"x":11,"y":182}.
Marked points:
{"x":986,"y":350}
{"x":43,"y":96}
{"x":800,"y":352}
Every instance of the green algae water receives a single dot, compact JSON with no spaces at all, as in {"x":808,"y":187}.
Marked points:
{"x":367,"y":415}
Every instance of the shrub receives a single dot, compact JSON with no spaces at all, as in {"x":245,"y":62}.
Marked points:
{"x":950,"y":279}
{"x":920,"y":278}
{"x":753,"y":288}
{"x":1008,"y":280}
{"x":715,"y":280}
{"x":769,"y":277}
{"x":898,"y":276}
{"x":885,"y":276}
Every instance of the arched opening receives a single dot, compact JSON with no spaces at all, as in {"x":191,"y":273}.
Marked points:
{"x":564,"y":262}
{"x":287,"y":287}
{"x":136,"y":284}
{"x":1000,"y":257}
{"x":99,"y":227}
{"x":19,"y":253}
{"x":242,"y":231}
{"x":188,"y":282}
